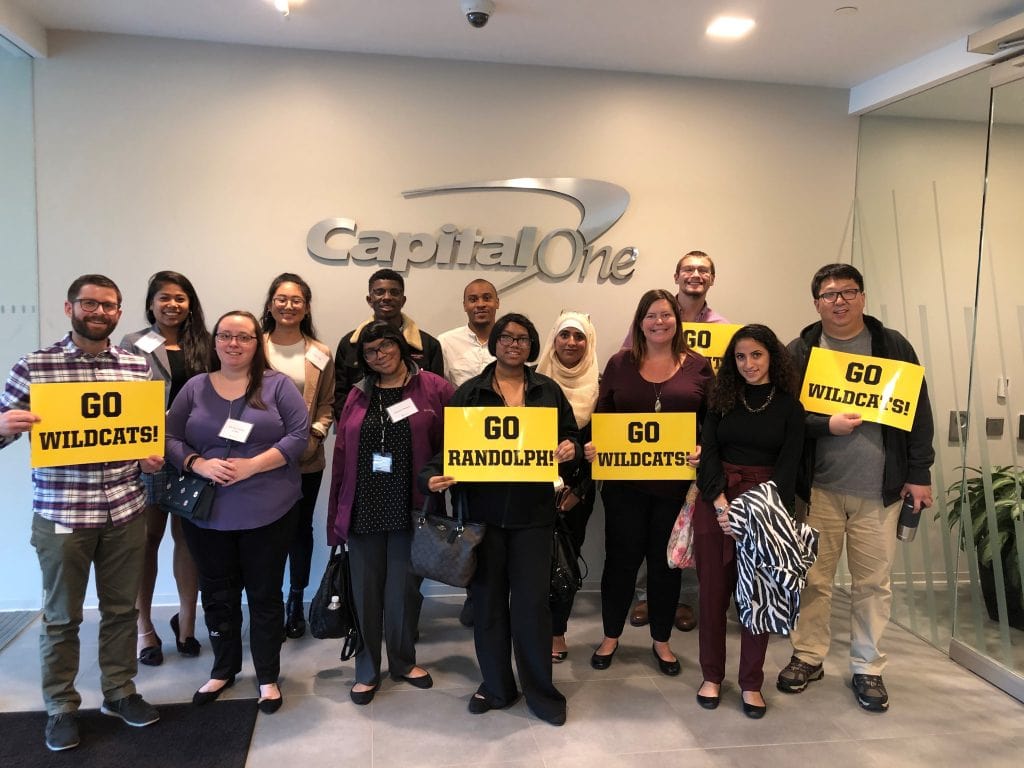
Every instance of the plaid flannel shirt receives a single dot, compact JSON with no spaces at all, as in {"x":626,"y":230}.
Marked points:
{"x":79,"y":495}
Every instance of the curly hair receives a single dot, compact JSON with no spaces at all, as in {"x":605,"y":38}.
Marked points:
{"x":729,"y":382}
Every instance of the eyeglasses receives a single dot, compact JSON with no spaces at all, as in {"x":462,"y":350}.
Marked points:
{"x":241,"y":338}
{"x":848,"y":294}
{"x":689,"y":270}
{"x":519,"y":341}
{"x":284,"y":301}
{"x":386,"y":347}
{"x":91,"y":305}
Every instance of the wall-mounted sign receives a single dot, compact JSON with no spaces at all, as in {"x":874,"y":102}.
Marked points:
{"x":527,"y":252}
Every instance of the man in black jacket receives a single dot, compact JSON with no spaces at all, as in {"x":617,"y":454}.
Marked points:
{"x":854,"y":477}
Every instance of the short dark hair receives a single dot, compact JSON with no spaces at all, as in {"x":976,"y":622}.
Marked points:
{"x":195,"y":341}
{"x":639,"y":349}
{"x":696,"y":255}
{"x":483,"y":280}
{"x":499,"y":328}
{"x":386,"y":274}
{"x":835,"y":272}
{"x":306,"y":324}
{"x":259,"y":366}
{"x":100,"y":280}
{"x":729,"y":383}
{"x":381,"y":330}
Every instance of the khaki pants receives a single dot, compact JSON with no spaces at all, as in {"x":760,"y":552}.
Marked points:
{"x":65,"y":559}
{"x":870,"y":533}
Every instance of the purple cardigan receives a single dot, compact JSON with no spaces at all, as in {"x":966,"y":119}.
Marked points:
{"x":431,"y":394}
{"x":195,"y":419}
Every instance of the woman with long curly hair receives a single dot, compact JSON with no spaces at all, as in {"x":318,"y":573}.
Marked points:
{"x":753,"y":433}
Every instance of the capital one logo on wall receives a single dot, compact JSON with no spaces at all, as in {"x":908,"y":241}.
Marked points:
{"x":524,"y":255}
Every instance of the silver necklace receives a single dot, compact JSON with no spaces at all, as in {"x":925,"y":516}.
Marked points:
{"x":657,"y":397}
{"x":765,"y":404}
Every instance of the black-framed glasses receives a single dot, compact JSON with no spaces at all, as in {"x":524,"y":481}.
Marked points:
{"x":848,"y":294}
{"x":386,"y":347}
{"x":508,"y":341}
{"x":283,"y":301}
{"x":242,"y":338}
{"x":91,"y":305}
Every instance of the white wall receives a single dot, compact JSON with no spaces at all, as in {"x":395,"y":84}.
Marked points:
{"x":215,"y":160}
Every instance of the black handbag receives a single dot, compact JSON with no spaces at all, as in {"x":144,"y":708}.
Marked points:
{"x":189,"y":496}
{"x":331,"y":612}
{"x":444,"y":548}
{"x":566,"y":576}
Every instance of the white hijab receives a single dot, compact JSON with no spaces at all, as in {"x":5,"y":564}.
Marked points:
{"x":580,"y":382}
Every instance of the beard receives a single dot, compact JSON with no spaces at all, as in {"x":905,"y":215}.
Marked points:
{"x":82,"y":328}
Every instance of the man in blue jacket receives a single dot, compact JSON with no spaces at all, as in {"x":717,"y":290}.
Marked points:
{"x":854,"y":477}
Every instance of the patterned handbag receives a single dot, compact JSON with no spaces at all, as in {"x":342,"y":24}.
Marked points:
{"x":680,"y":541}
{"x":444,"y":548}
{"x":189,"y":496}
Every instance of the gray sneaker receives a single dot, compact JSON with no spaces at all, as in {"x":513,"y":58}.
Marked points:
{"x":797,"y":674}
{"x":132,"y":709}
{"x":62,"y":732}
{"x":871,"y":693}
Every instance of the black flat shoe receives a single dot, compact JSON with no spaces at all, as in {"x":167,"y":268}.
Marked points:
{"x":603,"y":661}
{"x":152,"y":655}
{"x":479,"y":704}
{"x":670,"y":668}
{"x":362,"y":698}
{"x":295,"y":621}
{"x":754,"y":711}
{"x":205,"y":697}
{"x":422,"y":682}
{"x":710,"y":702}
{"x":188,"y":648}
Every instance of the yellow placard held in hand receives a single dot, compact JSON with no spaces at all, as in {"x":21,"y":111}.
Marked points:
{"x":876,"y":388}
{"x":710,"y":340}
{"x":511,"y":445}
{"x":91,"y":422}
{"x":644,"y":446}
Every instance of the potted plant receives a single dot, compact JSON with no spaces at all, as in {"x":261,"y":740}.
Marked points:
{"x":967,"y":496}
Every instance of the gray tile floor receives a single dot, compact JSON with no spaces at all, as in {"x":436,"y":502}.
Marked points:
{"x":629,"y":715}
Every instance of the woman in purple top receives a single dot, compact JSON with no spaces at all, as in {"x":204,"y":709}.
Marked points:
{"x":389,"y":427}
{"x":244,"y":427}
{"x":658,"y":373}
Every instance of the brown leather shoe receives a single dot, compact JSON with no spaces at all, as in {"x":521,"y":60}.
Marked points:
{"x":685,"y":620}
{"x":639,"y":617}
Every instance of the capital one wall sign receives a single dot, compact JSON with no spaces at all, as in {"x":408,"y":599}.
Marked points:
{"x":526,"y":254}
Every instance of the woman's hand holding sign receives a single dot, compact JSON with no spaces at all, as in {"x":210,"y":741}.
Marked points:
{"x":843,"y":423}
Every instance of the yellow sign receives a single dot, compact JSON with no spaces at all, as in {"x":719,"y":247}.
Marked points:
{"x":879,"y":390}
{"x":511,"y":445}
{"x":91,"y":422}
{"x":644,"y":446}
{"x":710,"y":340}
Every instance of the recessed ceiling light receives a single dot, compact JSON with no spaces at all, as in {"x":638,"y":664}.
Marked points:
{"x":730,"y":27}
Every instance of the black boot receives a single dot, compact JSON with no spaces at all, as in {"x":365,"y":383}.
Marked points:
{"x":295,"y":621}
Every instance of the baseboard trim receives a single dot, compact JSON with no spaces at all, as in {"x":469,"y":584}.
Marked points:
{"x":987,"y":669}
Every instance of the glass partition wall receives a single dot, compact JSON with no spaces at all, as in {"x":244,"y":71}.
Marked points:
{"x":937,"y":211}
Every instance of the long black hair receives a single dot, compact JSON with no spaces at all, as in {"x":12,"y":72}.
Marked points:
{"x":729,"y":382}
{"x":257,"y":368}
{"x":381,"y":330}
{"x":193,"y":338}
{"x":306,"y":324}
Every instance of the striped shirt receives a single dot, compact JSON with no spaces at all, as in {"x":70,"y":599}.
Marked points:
{"x":79,"y":495}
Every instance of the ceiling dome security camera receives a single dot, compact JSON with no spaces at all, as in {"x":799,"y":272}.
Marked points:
{"x":478,"y":12}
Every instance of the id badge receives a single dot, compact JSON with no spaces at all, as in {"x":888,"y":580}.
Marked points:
{"x":235,"y":429}
{"x":382,"y":462}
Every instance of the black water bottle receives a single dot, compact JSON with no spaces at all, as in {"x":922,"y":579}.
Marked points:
{"x":906,"y":530}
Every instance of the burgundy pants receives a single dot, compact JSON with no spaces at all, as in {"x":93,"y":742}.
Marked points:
{"x":716,"y":573}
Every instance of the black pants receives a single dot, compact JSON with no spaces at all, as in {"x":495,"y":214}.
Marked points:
{"x":510,"y":610}
{"x":637,"y":526}
{"x":577,"y":518}
{"x":228,"y":562}
{"x":300,"y":553}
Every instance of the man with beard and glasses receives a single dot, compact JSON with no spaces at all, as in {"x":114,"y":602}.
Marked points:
{"x":85,"y":515}
{"x":386,"y":298}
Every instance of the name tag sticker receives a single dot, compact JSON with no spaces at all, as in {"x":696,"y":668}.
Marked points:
{"x":150,"y":341}
{"x":235,"y":429}
{"x":317,"y":357}
{"x":403,"y":409}
{"x":381,"y":462}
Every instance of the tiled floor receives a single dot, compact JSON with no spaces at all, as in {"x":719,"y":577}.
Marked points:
{"x":629,"y":715}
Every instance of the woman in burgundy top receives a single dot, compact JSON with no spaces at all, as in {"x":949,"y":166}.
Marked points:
{"x":658,"y":373}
